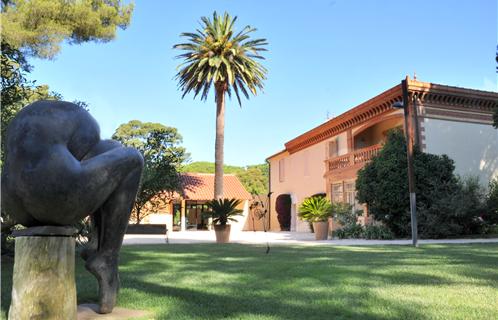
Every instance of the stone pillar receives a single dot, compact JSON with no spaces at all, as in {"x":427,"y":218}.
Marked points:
{"x":43,"y":285}
{"x":182,"y":217}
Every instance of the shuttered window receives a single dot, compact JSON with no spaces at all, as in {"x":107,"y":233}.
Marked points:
{"x":281,"y":170}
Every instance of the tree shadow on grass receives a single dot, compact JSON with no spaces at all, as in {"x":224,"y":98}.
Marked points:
{"x":235,"y":281}
{"x":197,"y":304}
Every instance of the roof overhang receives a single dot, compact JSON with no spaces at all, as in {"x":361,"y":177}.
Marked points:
{"x":426,"y":93}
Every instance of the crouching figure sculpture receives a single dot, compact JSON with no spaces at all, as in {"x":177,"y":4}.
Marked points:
{"x":57,"y":171}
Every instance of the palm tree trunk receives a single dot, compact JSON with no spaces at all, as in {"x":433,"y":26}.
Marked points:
{"x":220,"y":137}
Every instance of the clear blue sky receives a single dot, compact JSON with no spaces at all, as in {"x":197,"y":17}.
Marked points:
{"x":324,"y":58}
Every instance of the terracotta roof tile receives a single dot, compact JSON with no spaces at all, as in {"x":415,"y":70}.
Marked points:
{"x":200,"y":186}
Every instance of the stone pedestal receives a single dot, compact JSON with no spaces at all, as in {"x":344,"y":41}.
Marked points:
{"x":43,"y":279}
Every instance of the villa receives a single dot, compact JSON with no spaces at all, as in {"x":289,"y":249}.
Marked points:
{"x":448,"y":120}
{"x":184,"y":211}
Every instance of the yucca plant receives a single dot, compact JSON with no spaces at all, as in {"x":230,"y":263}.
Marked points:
{"x":223,"y":210}
{"x":315,"y":209}
{"x":218,"y":56}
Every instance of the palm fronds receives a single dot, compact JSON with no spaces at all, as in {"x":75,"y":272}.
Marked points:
{"x":217,"y":55}
{"x":223,"y":210}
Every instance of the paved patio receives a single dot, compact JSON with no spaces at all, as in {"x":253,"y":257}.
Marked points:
{"x":275,"y":238}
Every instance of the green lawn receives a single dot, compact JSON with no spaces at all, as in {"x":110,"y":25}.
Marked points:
{"x":207,"y":281}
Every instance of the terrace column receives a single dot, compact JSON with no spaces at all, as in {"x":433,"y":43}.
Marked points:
{"x":182,"y":216}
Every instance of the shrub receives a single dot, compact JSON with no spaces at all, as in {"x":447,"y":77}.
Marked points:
{"x":454,"y":214}
{"x":344,"y":213}
{"x":382,"y":184}
{"x":315,"y":209}
{"x":283,"y":208}
{"x":491,"y":215}
{"x":348,"y":219}
{"x":446,"y":206}
{"x":376,"y":231}
{"x":353,"y":231}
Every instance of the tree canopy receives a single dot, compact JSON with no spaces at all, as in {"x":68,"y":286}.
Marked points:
{"x":163,"y":155}
{"x":219,"y":55}
{"x":38,"y":27}
{"x":254,"y":178}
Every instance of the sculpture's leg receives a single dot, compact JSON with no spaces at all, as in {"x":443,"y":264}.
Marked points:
{"x":92,"y":246}
{"x":111,"y":221}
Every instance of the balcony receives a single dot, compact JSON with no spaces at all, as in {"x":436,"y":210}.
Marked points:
{"x":360,"y":156}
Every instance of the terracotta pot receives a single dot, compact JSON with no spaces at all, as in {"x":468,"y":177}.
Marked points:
{"x":321,"y":230}
{"x":222,"y":233}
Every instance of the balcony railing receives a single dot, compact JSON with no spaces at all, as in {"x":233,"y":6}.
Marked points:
{"x":356,"y":157}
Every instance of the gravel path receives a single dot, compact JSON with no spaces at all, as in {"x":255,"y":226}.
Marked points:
{"x":298,"y":238}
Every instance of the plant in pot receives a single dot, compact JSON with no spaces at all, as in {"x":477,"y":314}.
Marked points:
{"x":317,"y":210}
{"x":222,"y":211}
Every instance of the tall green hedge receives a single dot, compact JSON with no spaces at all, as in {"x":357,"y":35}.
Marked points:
{"x":446,"y":205}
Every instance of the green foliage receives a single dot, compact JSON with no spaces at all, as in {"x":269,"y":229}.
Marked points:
{"x":453,"y":214}
{"x":314,"y":209}
{"x":7,"y":240}
{"x":163,"y":155}
{"x":237,"y":281}
{"x":492,"y":203}
{"x":347,"y":217}
{"x":254,"y":178}
{"x":219,"y":55}
{"x":445,"y":205}
{"x":383,"y":185}
{"x":344,"y":213}
{"x":208,"y":167}
{"x":352,"y":231}
{"x":223,"y":210}
{"x":38,"y":27}
{"x":377,"y":231}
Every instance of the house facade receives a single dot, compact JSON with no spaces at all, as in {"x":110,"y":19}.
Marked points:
{"x":183,"y":211}
{"x":446,"y":120}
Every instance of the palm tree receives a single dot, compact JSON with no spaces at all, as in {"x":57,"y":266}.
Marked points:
{"x":218,"y":56}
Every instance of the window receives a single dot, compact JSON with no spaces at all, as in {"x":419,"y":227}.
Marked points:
{"x":334,"y":148}
{"x":344,"y":192}
{"x":337,"y":192}
{"x":306,"y":164}
{"x":350,"y":193}
{"x":281,"y":170}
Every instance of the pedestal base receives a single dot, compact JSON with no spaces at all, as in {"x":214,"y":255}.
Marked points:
{"x":43,"y":284}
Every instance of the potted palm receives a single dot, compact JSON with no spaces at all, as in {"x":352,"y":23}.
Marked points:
{"x":317,"y":210}
{"x":222,"y":211}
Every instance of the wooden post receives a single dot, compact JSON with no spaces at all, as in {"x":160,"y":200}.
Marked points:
{"x":43,"y":279}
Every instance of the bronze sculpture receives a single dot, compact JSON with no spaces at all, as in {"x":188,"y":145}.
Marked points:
{"x":58,"y":171}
